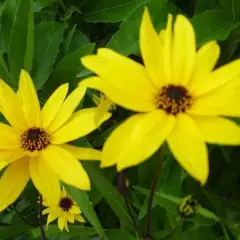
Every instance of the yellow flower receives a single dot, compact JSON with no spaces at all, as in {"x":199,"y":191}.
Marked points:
{"x":65,"y":210}
{"x":177,"y":96}
{"x":34,"y":146}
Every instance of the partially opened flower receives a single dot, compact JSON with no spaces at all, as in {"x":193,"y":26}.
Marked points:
{"x":66,"y":210}
{"x":177,"y":95}
{"x":34,"y":146}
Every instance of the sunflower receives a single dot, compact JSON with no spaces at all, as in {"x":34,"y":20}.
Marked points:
{"x":177,"y":97}
{"x":34,"y":146}
{"x":66,"y":210}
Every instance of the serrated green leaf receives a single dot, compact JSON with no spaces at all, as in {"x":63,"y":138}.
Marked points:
{"x":206,"y":213}
{"x":48,"y":37}
{"x":110,"y":11}
{"x":82,"y":200}
{"x":21,"y":40}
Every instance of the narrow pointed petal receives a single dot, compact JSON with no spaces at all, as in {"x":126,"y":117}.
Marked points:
{"x":53,"y":105}
{"x":61,"y":222}
{"x":206,"y":59}
{"x":224,"y":101}
{"x":75,"y":210}
{"x":70,"y":217}
{"x":120,"y":96}
{"x":13,"y":182}
{"x":9,"y":137}
{"x":218,"y":78}
{"x":83,"y":153}
{"x":188,"y":148}
{"x":29,"y":99}
{"x":79,"y":218}
{"x":51,"y":218}
{"x":184,"y":50}
{"x":136,"y":139}
{"x":11,"y":107}
{"x":218,"y":130}
{"x":68,"y":168}
{"x":67,"y":108}
{"x":82,"y":123}
{"x":45,"y":180}
{"x":152,"y":51}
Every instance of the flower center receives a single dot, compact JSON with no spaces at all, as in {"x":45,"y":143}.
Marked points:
{"x":35,"y":139}
{"x":65,"y":204}
{"x":173,"y":99}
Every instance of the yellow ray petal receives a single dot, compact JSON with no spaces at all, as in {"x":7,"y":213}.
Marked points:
{"x":184,"y":50}
{"x":67,"y":167}
{"x":11,"y":107}
{"x":75,"y":210}
{"x":121,"y":72}
{"x":70,"y":217}
{"x":53,"y":105}
{"x":120,"y":96}
{"x":152,"y":51}
{"x":9,"y":156}
{"x":45,"y":180}
{"x":9,"y":137}
{"x":51,"y":218}
{"x":29,"y":99}
{"x":224,"y":101}
{"x":67,"y":108}
{"x":136,"y":139}
{"x":188,"y":148}
{"x":79,"y":218}
{"x":13,"y":182}
{"x":218,"y":78}
{"x":83,"y":153}
{"x":61,"y":222}
{"x":81,"y":123}
{"x":218,"y":130}
{"x":206,"y":59}
{"x":168,"y":42}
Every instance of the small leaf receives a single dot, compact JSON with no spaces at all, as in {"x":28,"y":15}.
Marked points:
{"x":70,"y":12}
{"x":48,"y":37}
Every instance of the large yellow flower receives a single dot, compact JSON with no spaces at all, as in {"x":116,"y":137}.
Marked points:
{"x":178,"y":97}
{"x":35,"y":143}
{"x":66,"y":210}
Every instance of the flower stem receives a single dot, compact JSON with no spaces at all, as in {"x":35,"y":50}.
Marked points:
{"x":151,"y":195}
{"x":41,"y":218}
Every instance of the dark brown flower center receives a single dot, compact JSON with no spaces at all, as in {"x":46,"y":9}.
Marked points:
{"x":173,"y":99}
{"x":65,"y":204}
{"x":35,"y":139}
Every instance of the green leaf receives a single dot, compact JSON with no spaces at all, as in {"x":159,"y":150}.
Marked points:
{"x":82,"y":200}
{"x":126,"y":40}
{"x":109,"y":11}
{"x":203,"y":5}
{"x":4,"y":72}
{"x":7,"y":232}
{"x":70,"y":12}
{"x":212,"y":25}
{"x":231,"y":7}
{"x":48,"y":37}
{"x":20,"y":47}
{"x":117,"y":234}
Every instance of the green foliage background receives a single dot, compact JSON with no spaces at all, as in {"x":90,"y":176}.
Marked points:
{"x":47,"y":38}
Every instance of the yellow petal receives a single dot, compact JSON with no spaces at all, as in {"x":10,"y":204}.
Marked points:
{"x":81,"y":123}
{"x":67,"y":167}
{"x":9,"y":156}
{"x":168,"y":41}
{"x":82,"y":153}
{"x":218,"y":78}
{"x":45,"y":180}
{"x":224,"y":101}
{"x":120,"y":96}
{"x":9,"y":138}
{"x":152,"y":51}
{"x":66,"y":225}
{"x":188,"y":148}
{"x":136,"y":139}
{"x":51,"y":218}
{"x":75,"y":210}
{"x":67,"y":108}
{"x":53,"y":105}
{"x":121,"y":72}
{"x":46,"y":211}
{"x":11,"y":107}
{"x":70,"y":217}
{"x":61,"y":222}
{"x":184,"y":50}
{"x":206,"y":59}
{"x":218,"y":130}
{"x":79,"y":218}
{"x":29,"y":99}
{"x":13,"y":182}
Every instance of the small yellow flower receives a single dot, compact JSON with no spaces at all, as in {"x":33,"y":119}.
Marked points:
{"x":34,"y":146}
{"x":177,"y":95}
{"x":66,"y":210}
